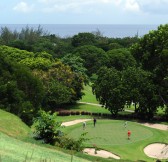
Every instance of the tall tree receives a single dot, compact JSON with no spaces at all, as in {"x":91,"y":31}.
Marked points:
{"x":152,"y":55}
{"x":109,"y":89}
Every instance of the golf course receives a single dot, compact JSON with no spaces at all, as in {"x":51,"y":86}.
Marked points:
{"x":17,"y":143}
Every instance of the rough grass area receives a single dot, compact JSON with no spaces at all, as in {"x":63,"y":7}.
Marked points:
{"x":12,"y":125}
{"x":14,"y":150}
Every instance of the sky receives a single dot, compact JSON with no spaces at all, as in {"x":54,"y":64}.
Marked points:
{"x":84,"y":12}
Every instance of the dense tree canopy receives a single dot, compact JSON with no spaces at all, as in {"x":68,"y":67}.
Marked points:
{"x":109,"y":90}
{"x":61,"y":84}
{"x":120,"y":59}
{"x":93,"y":57}
{"x":82,"y":39}
{"x":21,"y":92}
{"x":40,"y":78}
{"x":152,"y":55}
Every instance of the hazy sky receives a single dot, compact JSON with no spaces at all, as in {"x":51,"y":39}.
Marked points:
{"x":83,"y":11}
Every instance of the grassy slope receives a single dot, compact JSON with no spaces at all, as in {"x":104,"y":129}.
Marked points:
{"x":12,"y":148}
{"x":12,"y":125}
{"x":89,"y":97}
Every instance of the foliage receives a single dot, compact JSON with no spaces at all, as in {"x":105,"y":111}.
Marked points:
{"x":41,"y":60}
{"x":141,"y":91}
{"x":93,"y":57}
{"x":21,"y":92}
{"x":46,"y":127}
{"x":82,"y":39}
{"x":56,"y":95}
{"x":77,"y":65}
{"x":151,"y":54}
{"x":72,"y":144}
{"x":109,"y":89}
{"x":125,"y":42}
{"x":120,"y":59}
{"x":61,"y":84}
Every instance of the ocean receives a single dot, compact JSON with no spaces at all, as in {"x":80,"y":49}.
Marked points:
{"x":68,"y":30}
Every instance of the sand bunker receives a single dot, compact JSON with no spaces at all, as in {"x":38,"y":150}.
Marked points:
{"x":74,"y":122}
{"x":156,"y":126}
{"x":100,"y":153}
{"x":157,"y":150}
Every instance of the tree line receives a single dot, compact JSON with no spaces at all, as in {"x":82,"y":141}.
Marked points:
{"x":43,"y":71}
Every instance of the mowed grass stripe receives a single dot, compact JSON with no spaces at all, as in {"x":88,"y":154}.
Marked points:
{"x":13,"y":150}
{"x":111,"y":132}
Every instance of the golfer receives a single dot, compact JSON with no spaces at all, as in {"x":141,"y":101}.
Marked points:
{"x":84,"y":125}
{"x":94,"y":122}
{"x":129,"y":134}
{"x":125,"y":124}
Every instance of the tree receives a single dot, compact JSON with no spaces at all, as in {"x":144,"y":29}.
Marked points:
{"x":141,"y":90}
{"x":62,"y":85}
{"x":77,"y":65}
{"x":21,"y":92}
{"x":7,"y":36}
{"x":56,"y":95}
{"x":83,"y":39}
{"x":94,"y":57}
{"x":151,"y":54}
{"x":109,"y":90}
{"x":46,"y":127}
{"x":120,"y":59}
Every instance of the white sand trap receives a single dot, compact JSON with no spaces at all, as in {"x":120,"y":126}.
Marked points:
{"x":156,"y":126}
{"x":74,"y":122}
{"x":157,"y":150}
{"x":100,"y":153}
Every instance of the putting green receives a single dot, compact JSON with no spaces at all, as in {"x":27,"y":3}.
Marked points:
{"x":111,"y":132}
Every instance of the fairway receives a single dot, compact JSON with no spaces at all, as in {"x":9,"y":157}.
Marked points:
{"x":111,"y":132}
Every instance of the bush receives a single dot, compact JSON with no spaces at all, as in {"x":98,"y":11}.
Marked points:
{"x":73,"y":113}
{"x":96,"y":114}
{"x":64,"y":113}
{"x":71,"y":144}
{"x":85,"y":113}
{"x":46,"y":127}
{"x":77,"y":113}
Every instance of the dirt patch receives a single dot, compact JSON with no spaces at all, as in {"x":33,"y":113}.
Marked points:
{"x":156,"y":126}
{"x":157,"y":150}
{"x":100,"y":153}
{"x":74,"y":122}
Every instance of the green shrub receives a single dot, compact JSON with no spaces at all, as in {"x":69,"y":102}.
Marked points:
{"x":46,"y":127}
{"x":70,"y":143}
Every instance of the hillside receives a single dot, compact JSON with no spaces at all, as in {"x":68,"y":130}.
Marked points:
{"x":12,"y":148}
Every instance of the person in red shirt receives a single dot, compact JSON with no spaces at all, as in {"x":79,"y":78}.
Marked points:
{"x":129,"y":134}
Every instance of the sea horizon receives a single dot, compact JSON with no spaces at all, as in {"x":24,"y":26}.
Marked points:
{"x":107,"y":30}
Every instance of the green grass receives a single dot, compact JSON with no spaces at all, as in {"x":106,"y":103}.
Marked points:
{"x":14,"y":150}
{"x":12,"y":125}
{"x":87,"y":107}
{"x":116,"y":128}
{"x":88,"y":97}
{"x":16,"y":143}
{"x":111,"y":135}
